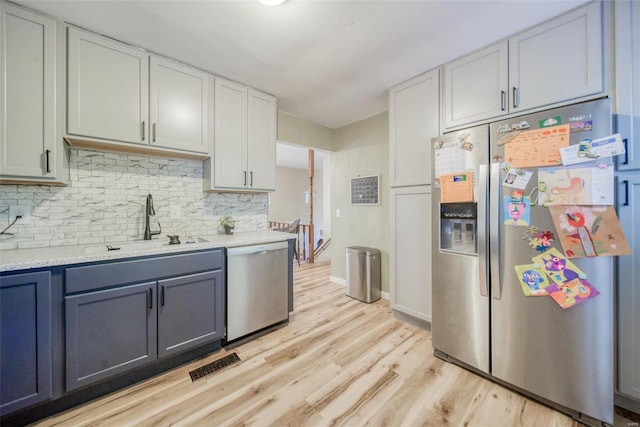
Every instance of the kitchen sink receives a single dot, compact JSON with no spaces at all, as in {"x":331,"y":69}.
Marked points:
{"x":134,"y":246}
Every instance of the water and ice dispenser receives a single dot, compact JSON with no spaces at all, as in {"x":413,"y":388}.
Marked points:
{"x":459,"y":227}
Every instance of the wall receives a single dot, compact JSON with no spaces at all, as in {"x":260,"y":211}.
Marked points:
{"x":301,"y":132}
{"x":105,"y":202}
{"x":361,"y":148}
{"x":287,"y":202}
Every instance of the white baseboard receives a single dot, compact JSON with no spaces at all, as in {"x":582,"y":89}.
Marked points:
{"x":342,"y":282}
{"x":337,"y":280}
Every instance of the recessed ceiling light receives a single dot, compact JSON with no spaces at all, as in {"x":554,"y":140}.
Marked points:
{"x":272,"y":2}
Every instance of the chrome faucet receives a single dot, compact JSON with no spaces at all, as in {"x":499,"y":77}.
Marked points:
{"x":150,"y":211}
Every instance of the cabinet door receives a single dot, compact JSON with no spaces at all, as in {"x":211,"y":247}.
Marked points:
{"x":627,"y":100}
{"x":414,"y":114}
{"x":629,"y":287}
{"x":25,"y":340}
{"x":230,"y":140}
{"x":179,"y":106}
{"x":108,"y":332}
{"x":261,"y":140}
{"x":191,"y":311}
{"x":108,"y":89}
{"x":28,"y":91}
{"x":475,"y":86}
{"x":410,"y":262}
{"x":557,"y":61}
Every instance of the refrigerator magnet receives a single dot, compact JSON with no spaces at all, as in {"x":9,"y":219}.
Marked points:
{"x":551,"y":121}
{"x":583,"y":126}
{"x":540,"y":240}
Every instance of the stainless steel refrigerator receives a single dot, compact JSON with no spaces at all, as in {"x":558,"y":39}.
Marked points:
{"x":481,"y":317}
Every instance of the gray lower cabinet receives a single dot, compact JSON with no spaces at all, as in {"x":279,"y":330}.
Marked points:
{"x":25,"y":340}
{"x":108,"y":332}
{"x":186,"y":314}
{"x":122,"y":315}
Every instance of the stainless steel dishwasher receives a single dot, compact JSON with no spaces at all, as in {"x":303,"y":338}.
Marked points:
{"x":257,"y":288}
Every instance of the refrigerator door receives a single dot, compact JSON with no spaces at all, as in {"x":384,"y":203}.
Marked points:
{"x":460,"y":325}
{"x":564,"y":356}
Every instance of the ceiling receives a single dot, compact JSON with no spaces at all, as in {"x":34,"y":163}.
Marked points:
{"x":327,"y":61}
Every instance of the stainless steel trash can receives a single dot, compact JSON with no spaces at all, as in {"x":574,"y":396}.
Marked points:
{"x":363,"y":273}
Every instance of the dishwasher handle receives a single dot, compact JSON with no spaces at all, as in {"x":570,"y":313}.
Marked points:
{"x":257,"y":249}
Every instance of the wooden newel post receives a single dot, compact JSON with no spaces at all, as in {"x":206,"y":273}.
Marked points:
{"x":311,"y":233}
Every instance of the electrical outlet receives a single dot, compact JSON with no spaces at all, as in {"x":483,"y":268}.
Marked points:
{"x":175,"y":212}
{"x":20,"y":210}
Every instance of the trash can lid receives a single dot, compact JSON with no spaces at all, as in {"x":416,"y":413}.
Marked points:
{"x":360,"y":249}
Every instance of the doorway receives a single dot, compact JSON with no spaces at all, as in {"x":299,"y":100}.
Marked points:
{"x":294,"y":197}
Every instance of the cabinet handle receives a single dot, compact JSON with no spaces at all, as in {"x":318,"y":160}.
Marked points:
{"x":150,"y":298}
{"x":162,"y":296}
{"x":626,"y":193}
{"x":153,"y":133}
{"x":245,"y":178}
{"x":143,"y":135}
{"x":515,"y":97}
{"x":626,"y":151}
{"x":503,"y":100}
{"x":251,"y":180}
{"x":46,"y":154}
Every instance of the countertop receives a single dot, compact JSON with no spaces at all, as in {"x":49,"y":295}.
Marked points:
{"x":25,"y":259}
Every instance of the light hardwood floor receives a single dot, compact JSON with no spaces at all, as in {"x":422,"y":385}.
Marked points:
{"x":338,"y":362}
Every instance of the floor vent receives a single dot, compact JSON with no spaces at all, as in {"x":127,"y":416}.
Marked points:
{"x":216,"y":365}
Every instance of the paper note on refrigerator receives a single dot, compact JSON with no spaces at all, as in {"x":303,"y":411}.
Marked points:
{"x":576,"y":186}
{"x":587,"y":150}
{"x":456,"y":188}
{"x":449,"y":157}
{"x":537,"y":147}
{"x":572,"y":292}
{"x":532,"y":279}
{"x":557,"y":266}
{"x":586,"y":231}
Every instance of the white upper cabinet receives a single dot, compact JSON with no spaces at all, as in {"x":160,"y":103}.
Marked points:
{"x":230,"y":135}
{"x":475,"y":86}
{"x":178,"y":106}
{"x":30,"y":139}
{"x":627,"y":100}
{"x":244,"y":139}
{"x":556,"y":62}
{"x":261,"y":140}
{"x":120,"y":94}
{"x":414,"y":112}
{"x":108,"y":89}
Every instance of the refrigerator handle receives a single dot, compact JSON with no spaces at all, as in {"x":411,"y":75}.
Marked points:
{"x":482,"y":230}
{"x":494,"y":229}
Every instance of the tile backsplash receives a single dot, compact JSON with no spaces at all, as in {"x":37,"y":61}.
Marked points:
{"x":105,"y":202}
